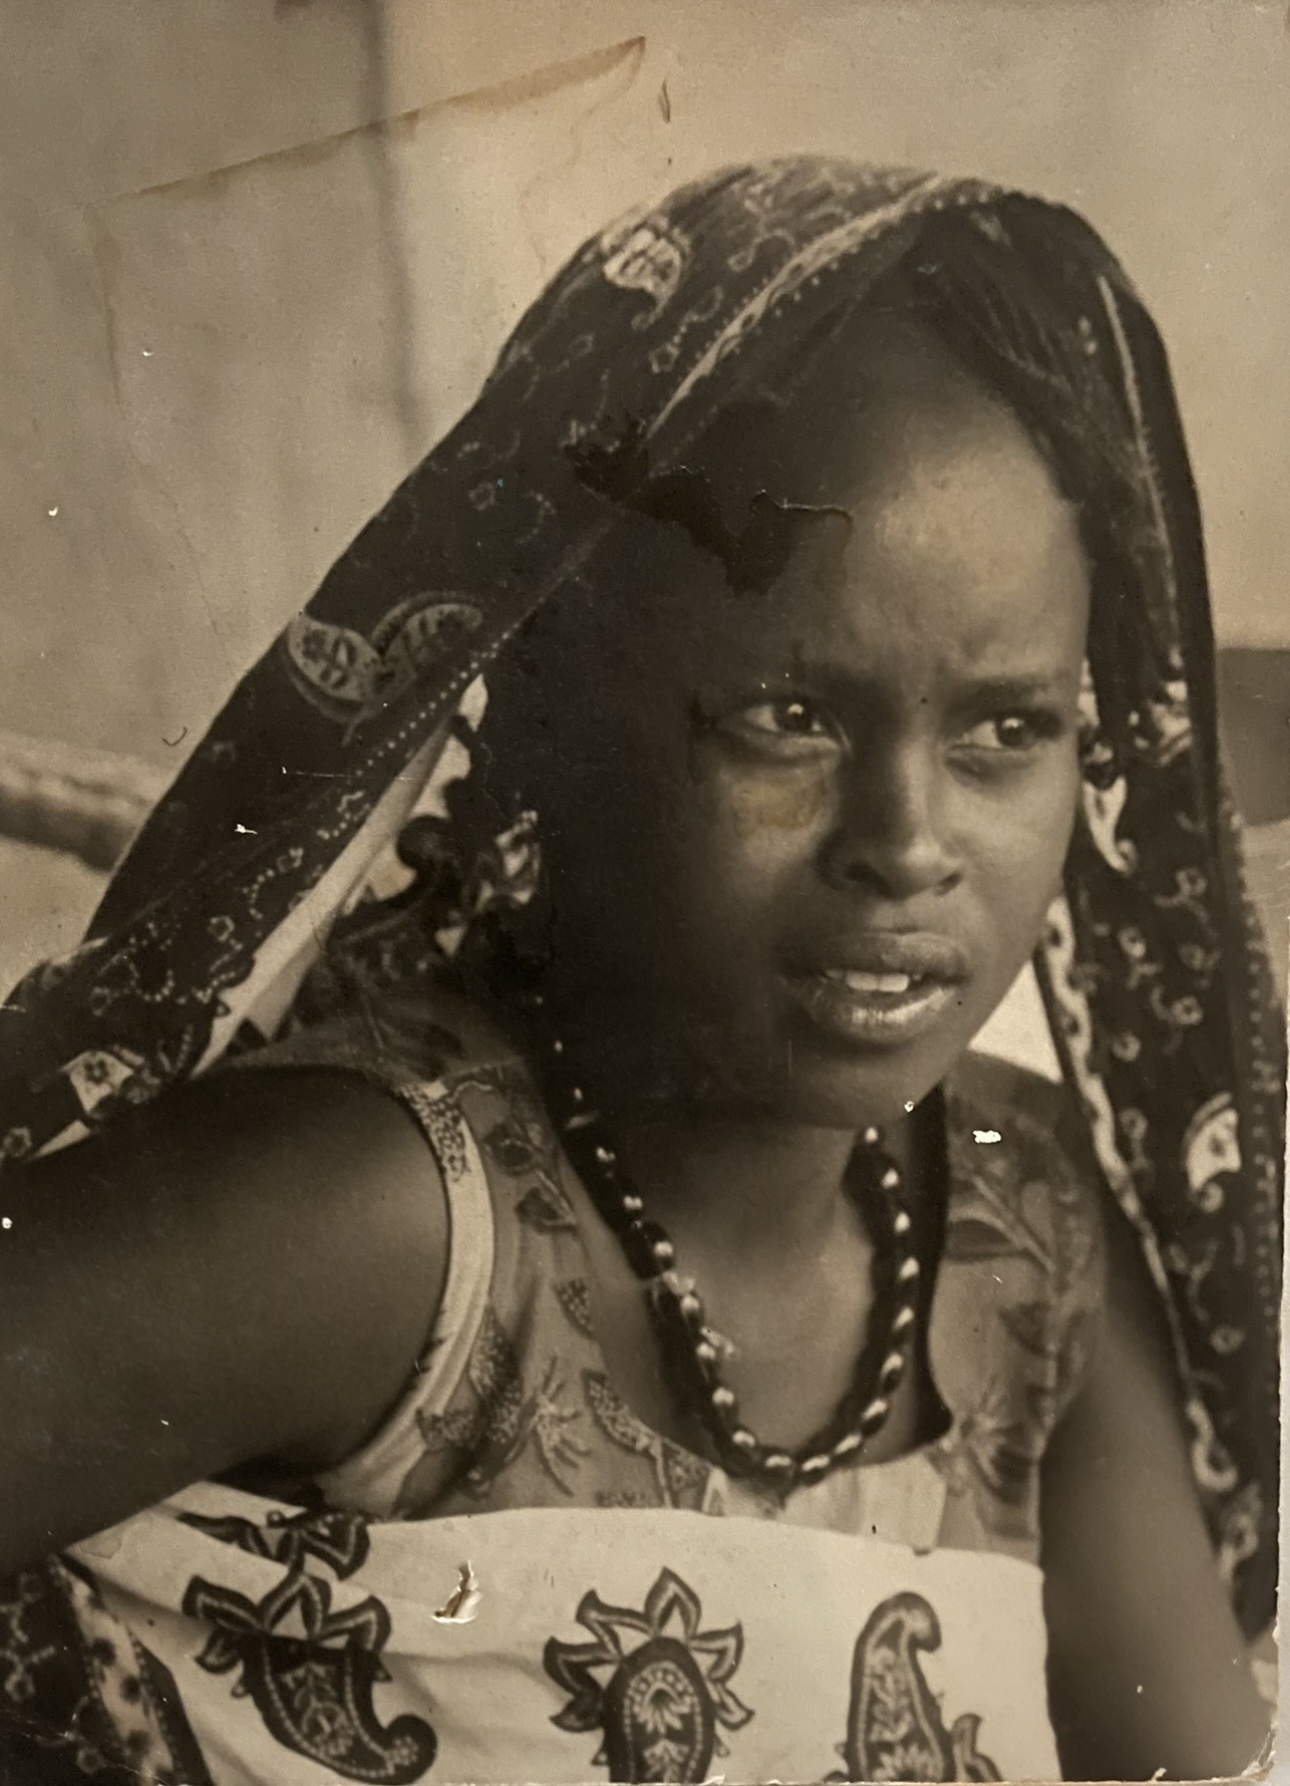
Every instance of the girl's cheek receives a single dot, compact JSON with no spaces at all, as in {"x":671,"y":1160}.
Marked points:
{"x":1063,"y":803}
{"x":782,"y":803}
{"x":1028,"y":846}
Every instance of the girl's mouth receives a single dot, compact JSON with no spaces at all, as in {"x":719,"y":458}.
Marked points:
{"x":855,"y":981}
{"x":873,"y":1009}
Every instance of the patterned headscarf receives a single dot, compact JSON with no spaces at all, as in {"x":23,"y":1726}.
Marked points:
{"x":1152,"y":967}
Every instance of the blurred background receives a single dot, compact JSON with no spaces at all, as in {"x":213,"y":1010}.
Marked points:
{"x":260,"y":255}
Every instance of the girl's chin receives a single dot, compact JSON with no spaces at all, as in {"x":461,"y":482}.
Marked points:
{"x":790,"y":1074}
{"x":883,"y":1108}
{"x":880,"y":1087}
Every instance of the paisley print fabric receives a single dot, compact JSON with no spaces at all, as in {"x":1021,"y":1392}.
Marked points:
{"x":624,"y":1643}
{"x":895,"y":1730}
{"x":665,"y":1696}
{"x":309,"y":1671}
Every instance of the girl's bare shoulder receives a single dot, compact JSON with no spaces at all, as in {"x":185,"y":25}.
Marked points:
{"x":246,"y":1270}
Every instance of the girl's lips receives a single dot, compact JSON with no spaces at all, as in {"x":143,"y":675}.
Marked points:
{"x":922,"y":954}
{"x":881,"y":1010}
{"x":881,"y":987}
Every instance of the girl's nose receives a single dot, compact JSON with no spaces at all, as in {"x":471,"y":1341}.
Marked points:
{"x":890,"y":835}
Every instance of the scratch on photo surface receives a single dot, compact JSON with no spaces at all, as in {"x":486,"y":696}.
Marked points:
{"x":495,"y":97}
{"x":623,"y":59}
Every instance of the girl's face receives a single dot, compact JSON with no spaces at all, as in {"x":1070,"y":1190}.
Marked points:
{"x":808,"y":835}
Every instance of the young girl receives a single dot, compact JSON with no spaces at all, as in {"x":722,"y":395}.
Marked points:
{"x":596,"y":1318}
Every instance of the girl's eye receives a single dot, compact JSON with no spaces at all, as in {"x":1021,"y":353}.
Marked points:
{"x":794,"y":727}
{"x":794,"y":717}
{"x":1012,"y":732}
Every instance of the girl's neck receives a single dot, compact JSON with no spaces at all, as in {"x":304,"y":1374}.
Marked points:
{"x":715,"y":1171}
{"x":749,"y":1186}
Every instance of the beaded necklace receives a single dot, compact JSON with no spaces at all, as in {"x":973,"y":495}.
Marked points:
{"x":692,"y":1353}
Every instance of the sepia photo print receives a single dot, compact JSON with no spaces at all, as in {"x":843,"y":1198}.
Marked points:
{"x":645,"y":851}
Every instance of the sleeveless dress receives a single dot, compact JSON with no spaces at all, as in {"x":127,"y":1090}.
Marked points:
{"x":642,"y":1615}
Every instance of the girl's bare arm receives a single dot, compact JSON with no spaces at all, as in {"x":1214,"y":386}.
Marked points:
{"x":1148,"y":1668}
{"x":246,"y":1271}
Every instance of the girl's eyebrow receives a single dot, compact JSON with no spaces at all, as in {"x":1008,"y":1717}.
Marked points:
{"x":1021,"y":686}
{"x":1016,"y":685}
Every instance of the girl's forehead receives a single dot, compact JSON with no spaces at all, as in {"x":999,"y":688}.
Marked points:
{"x":889,"y":403}
{"x":932,"y":517}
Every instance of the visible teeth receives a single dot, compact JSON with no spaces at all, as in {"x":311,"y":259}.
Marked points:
{"x":857,"y":982}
